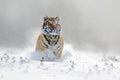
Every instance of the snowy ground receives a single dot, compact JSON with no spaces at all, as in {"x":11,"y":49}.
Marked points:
{"x":74,"y":65}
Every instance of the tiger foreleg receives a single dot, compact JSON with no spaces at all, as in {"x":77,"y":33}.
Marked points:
{"x":59,"y":53}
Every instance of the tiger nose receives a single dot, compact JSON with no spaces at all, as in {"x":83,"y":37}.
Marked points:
{"x":53,"y":26}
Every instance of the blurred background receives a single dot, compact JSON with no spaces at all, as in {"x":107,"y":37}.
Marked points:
{"x":89,"y":25}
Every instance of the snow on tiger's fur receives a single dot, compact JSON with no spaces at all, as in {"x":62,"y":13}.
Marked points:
{"x":50,"y":42}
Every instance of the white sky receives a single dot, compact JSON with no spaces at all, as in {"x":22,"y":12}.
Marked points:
{"x":85,"y":23}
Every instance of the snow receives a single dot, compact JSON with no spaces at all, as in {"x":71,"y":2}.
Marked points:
{"x":74,"y":65}
{"x":46,"y":55}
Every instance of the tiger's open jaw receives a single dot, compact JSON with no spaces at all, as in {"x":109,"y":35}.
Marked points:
{"x":51,"y":32}
{"x":48,"y":30}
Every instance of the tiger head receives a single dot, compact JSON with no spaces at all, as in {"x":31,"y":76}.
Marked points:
{"x":51,"y":26}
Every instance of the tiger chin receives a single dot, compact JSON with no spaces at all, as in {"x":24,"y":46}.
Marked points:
{"x":51,"y":38}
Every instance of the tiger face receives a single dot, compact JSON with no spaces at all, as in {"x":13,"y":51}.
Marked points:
{"x":51,"y":29}
{"x":51,"y":26}
{"x":50,"y":38}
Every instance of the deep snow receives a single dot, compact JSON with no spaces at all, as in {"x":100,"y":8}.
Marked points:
{"x":74,"y":65}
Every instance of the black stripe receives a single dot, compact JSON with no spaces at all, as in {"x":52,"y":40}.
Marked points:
{"x":57,"y":39}
{"x":45,"y":44}
{"x":46,"y":39}
{"x":52,"y":42}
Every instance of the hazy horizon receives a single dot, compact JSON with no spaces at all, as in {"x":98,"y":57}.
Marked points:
{"x":86,"y":24}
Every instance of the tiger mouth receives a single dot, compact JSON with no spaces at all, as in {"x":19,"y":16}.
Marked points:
{"x":49,"y":30}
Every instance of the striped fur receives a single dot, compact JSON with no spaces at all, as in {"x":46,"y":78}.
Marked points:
{"x":53,"y":42}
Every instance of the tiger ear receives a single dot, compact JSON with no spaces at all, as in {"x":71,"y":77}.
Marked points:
{"x":57,"y":18}
{"x":45,"y":18}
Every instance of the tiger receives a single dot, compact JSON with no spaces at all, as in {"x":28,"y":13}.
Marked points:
{"x":50,"y":37}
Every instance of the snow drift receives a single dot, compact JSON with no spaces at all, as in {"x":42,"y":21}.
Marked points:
{"x":74,"y":65}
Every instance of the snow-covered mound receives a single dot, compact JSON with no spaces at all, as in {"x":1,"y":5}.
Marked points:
{"x":74,"y":65}
{"x":46,"y":55}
